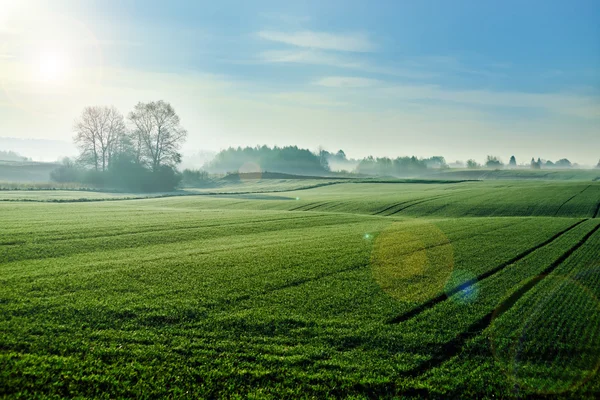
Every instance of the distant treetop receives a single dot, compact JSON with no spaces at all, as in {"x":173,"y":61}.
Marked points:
{"x":289,"y":159}
{"x":493,"y":162}
{"x":472,"y":164}
{"x":11,"y":156}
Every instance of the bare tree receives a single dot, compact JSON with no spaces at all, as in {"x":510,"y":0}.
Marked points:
{"x":141,"y":120}
{"x":113,"y":134}
{"x":157,"y":135}
{"x":97,"y":132}
{"x":86,"y":138}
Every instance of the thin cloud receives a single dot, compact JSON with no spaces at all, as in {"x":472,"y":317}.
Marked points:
{"x":351,"y":42}
{"x":449,"y":64}
{"x":346,"y":82}
{"x":317,"y":57}
{"x":307,"y":57}
{"x":573,"y":104}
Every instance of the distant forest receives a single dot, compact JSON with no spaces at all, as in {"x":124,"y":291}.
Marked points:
{"x":290,"y":160}
{"x":12,"y":156}
{"x":122,"y":162}
{"x":294,"y":160}
{"x":140,"y":153}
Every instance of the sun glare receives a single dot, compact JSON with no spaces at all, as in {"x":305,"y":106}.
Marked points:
{"x":53,"y":66}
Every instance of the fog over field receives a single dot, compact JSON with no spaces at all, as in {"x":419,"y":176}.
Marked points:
{"x":387,"y":80}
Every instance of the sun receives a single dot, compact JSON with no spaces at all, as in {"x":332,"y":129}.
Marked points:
{"x":52,"y":66}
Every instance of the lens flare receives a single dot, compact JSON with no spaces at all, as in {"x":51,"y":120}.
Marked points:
{"x":462,"y":286}
{"x":412,"y":262}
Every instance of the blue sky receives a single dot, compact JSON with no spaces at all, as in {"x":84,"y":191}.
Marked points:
{"x":461,"y":79}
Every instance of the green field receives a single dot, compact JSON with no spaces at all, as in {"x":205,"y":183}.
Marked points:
{"x":304,"y":288}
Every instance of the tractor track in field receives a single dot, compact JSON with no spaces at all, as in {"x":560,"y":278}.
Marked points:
{"x":223,"y":304}
{"x":447,"y":204}
{"x":597,"y":213}
{"x":299,"y":208}
{"x":234,"y":203}
{"x":445,"y":296}
{"x":392,"y":206}
{"x":302,"y":281}
{"x":569,"y":199}
{"x":420,"y":202}
{"x":454,"y":347}
{"x":316,"y":206}
{"x":460,"y":238}
{"x":310,"y":206}
{"x":417,"y":200}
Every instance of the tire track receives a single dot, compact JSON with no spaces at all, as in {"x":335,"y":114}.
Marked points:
{"x":392,"y":206}
{"x":460,"y":238}
{"x":570,"y":198}
{"x":302,"y":206}
{"x":302,"y":281}
{"x":224,"y":304}
{"x":597,"y":213}
{"x":458,"y":201}
{"x":455,"y":346}
{"x":328,"y":206}
{"x":445,"y":296}
{"x":420,"y":202}
{"x":316,"y":206}
{"x":411,"y":200}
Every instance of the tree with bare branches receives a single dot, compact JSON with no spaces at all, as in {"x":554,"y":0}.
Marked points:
{"x":98,"y":132}
{"x":156,"y":134}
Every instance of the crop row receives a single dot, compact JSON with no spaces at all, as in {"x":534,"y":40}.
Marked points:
{"x":474,"y":199}
{"x":546,"y":343}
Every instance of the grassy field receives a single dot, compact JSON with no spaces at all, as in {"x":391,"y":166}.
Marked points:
{"x":570,"y":174}
{"x":303,"y":289}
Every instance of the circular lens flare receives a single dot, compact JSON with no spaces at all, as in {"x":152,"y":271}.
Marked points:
{"x":462,"y":286}
{"x":412,"y":262}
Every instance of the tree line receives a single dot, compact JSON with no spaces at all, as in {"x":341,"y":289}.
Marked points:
{"x":294,"y":160}
{"x":496,"y":163}
{"x":139,"y":153}
{"x":287,"y":159}
{"x":12,"y":156}
{"x":399,"y":165}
